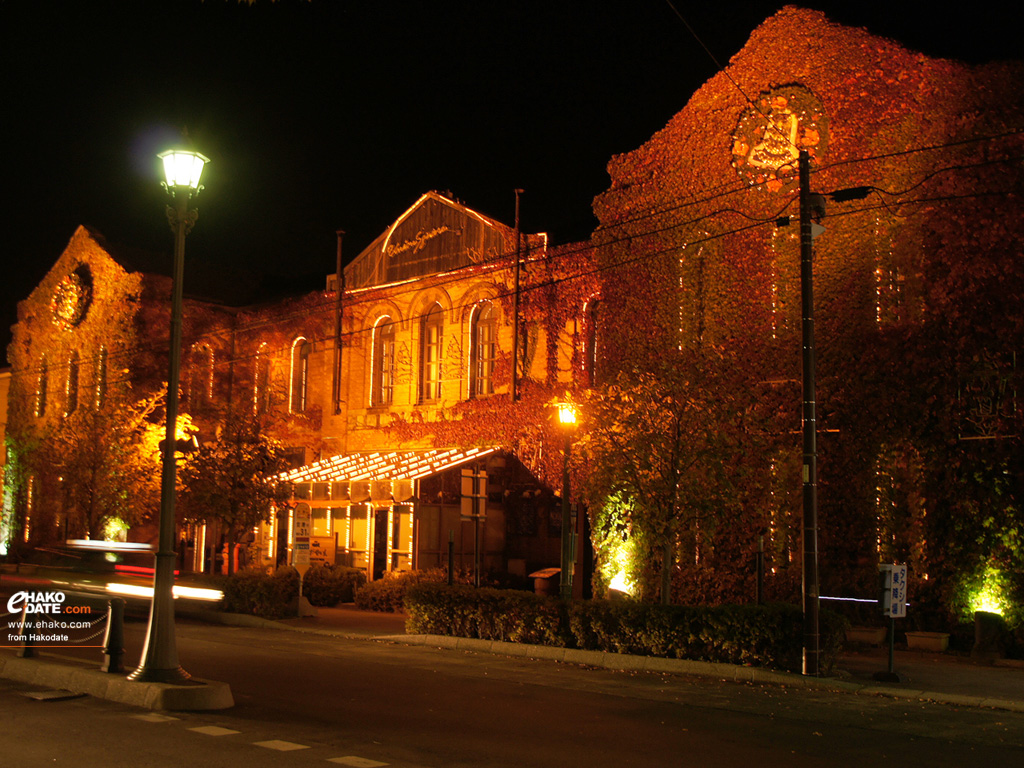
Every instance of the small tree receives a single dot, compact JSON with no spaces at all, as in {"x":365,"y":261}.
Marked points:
{"x":108,"y":469}
{"x":233,"y":479}
{"x":665,"y":442}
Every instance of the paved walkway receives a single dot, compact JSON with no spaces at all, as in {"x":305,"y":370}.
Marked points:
{"x":934,"y":676}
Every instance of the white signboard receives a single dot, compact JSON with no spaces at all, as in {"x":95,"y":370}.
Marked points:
{"x":894,"y":590}
{"x":302,"y":523}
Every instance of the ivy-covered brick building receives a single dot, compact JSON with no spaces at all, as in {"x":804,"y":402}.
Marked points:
{"x":682,"y":312}
{"x":919,"y":318}
{"x":382,"y":393}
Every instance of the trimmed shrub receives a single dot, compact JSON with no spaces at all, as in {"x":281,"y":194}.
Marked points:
{"x":387,"y":594}
{"x":765,"y":636}
{"x":328,"y":585}
{"x":489,"y":614}
{"x":260,"y":594}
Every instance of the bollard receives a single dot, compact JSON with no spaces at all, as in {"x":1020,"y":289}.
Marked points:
{"x":26,"y":650}
{"x":113,"y":640}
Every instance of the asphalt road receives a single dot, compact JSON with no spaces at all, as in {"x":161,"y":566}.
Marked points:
{"x":365,"y":703}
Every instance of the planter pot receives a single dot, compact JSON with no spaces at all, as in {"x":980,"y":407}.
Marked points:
{"x":869,"y":635}
{"x":928,"y":641}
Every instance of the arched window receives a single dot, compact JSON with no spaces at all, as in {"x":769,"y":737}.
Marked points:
{"x":72,"y":385}
{"x":591,"y":370}
{"x":261,"y":381}
{"x":431,"y":346}
{"x":101,"y":376}
{"x":42,"y":388}
{"x":299,"y":386}
{"x":482,"y":350}
{"x":383,"y":385}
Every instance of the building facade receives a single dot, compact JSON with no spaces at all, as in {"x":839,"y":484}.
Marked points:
{"x":383,"y":392}
{"x":441,"y":347}
{"x":918,"y":276}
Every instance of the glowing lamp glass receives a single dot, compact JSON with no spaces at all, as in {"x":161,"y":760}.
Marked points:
{"x":566,"y":414}
{"x":183,"y":168}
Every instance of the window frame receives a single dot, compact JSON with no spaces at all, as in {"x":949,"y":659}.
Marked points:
{"x":431,"y":352}
{"x":483,"y":350}
{"x":382,"y":363}
{"x":298,"y":381}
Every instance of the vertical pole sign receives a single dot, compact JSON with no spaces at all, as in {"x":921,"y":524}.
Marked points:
{"x":474,"y":507}
{"x":301,"y":530}
{"x":894,"y":605}
{"x":894,"y":590}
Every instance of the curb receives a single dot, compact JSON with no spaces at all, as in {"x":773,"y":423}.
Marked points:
{"x":717,"y":670}
{"x":203,"y":695}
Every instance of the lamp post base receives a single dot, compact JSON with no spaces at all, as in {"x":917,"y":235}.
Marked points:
{"x":176,"y":676}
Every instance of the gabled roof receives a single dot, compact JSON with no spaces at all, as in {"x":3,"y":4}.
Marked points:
{"x":435,"y":234}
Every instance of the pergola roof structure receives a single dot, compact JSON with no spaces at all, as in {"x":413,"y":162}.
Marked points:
{"x":385,"y":465}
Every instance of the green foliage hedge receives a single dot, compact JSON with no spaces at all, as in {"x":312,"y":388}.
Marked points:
{"x":387,"y":594}
{"x":260,"y":594}
{"x":488,"y":614}
{"x":328,"y":585}
{"x":763,"y":636}
{"x":270,"y":596}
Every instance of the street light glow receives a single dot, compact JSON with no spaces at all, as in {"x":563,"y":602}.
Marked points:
{"x":567,"y":414}
{"x":183,"y":168}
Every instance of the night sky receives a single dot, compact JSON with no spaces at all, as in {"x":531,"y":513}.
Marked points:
{"x":330,"y":114}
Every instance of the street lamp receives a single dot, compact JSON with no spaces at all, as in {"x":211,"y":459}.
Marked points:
{"x":567,"y":420}
{"x":182,"y":170}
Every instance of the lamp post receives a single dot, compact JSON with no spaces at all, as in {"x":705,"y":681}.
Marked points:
{"x":567,"y":419}
{"x":160,"y":653}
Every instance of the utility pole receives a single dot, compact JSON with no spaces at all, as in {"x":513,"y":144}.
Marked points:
{"x":812,"y":638}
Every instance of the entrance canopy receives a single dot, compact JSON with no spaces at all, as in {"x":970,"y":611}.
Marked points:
{"x":382,"y":466}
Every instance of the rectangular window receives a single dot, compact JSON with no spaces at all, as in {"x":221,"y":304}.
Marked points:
{"x":432,"y":363}
{"x":485,"y":359}
{"x":387,"y":370}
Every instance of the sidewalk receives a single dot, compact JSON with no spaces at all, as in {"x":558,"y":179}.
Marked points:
{"x":939,"y":677}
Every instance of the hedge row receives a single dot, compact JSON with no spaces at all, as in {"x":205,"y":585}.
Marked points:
{"x":764,"y":636}
{"x":489,"y":614}
{"x":328,"y":585}
{"x":387,"y":594}
{"x":260,"y":594}
{"x":271,"y":595}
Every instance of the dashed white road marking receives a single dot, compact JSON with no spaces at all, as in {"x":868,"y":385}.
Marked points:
{"x":213,"y":730}
{"x":280,"y":746}
{"x":155,"y":718}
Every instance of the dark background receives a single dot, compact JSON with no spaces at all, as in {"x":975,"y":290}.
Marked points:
{"x":330,"y":115}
